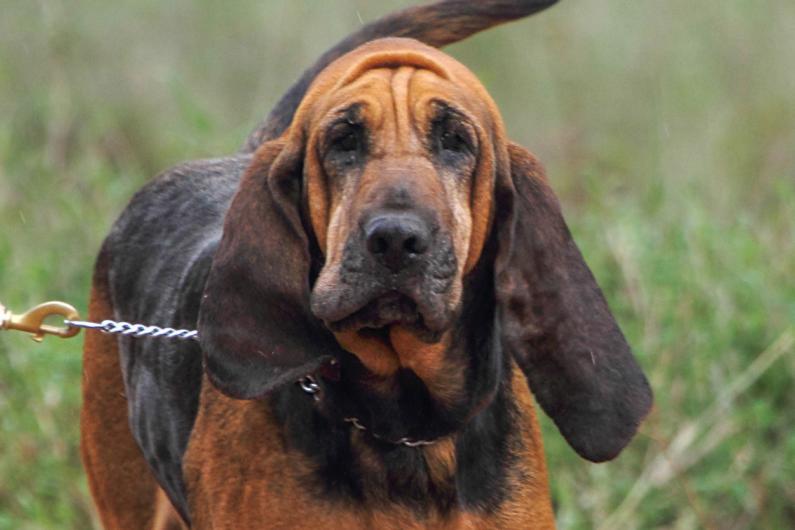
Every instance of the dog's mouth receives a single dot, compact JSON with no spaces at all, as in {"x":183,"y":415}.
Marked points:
{"x":376,"y":317}
{"x":391,"y":308}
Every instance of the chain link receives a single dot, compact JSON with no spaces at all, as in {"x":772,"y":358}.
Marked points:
{"x":309,"y":385}
{"x":405,"y":441}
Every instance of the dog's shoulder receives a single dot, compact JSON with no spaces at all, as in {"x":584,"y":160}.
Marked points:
{"x":164,"y":229}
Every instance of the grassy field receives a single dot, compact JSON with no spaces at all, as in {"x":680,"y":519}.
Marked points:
{"x":668,"y":130}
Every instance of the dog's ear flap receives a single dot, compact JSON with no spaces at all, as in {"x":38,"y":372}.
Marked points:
{"x":556,"y":322}
{"x":255,"y":327}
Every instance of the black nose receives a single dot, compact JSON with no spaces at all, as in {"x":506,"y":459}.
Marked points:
{"x":396,"y":240}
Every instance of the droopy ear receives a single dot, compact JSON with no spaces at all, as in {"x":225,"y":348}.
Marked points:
{"x":556,"y":322}
{"x":255,"y":326}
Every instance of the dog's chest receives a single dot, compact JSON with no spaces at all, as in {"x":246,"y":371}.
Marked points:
{"x":239,"y":474}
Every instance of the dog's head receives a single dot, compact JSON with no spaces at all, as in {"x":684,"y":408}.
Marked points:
{"x":362,"y":226}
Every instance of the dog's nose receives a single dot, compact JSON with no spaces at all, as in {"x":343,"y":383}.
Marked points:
{"x":397,"y":240}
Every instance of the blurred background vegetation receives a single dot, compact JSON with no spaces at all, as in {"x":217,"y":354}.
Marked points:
{"x":668,"y":129}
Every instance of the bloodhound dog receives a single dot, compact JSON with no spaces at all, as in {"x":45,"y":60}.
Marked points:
{"x":379,"y":279}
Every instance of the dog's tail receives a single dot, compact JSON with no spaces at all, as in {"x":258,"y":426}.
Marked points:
{"x":437,"y":24}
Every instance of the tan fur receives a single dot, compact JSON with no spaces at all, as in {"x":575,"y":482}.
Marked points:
{"x":530,"y":500}
{"x":440,"y":459}
{"x":444,"y":378}
{"x":166,"y":518}
{"x":379,"y":358}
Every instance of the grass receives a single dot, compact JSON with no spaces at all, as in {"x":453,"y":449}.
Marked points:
{"x":668,"y":132}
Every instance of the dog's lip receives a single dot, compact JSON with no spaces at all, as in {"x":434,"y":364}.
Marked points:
{"x":380,"y":312}
{"x":340,"y":309}
{"x":373,"y":320}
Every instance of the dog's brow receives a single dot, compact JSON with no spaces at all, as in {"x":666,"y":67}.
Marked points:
{"x":394,"y":60}
{"x":350,"y":114}
{"x":443,"y":109}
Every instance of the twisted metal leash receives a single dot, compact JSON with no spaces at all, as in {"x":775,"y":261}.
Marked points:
{"x":135,"y":330}
{"x":32,"y":321}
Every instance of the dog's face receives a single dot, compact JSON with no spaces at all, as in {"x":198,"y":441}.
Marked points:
{"x":396,"y":200}
{"x":363,"y":228}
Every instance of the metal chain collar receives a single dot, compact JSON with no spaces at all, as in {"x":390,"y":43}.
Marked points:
{"x":309,"y":385}
{"x":405,"y":441}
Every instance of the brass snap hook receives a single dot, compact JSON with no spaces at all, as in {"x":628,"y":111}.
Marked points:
{"x":33,"y":320}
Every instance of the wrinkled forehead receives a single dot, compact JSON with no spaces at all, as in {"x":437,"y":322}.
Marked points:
{"x":373,"y":74}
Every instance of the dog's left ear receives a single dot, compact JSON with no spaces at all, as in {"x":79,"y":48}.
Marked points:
{"x":255,"y":327}
{"x":556,"y":322}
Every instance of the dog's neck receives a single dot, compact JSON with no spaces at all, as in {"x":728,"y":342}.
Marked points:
{"x":470,"y":431}
{"x":463,"y":466}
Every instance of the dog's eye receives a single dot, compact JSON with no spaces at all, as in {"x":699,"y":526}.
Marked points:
{"x":453,"y":141}
{"x":452,"y":136}
{"x":345,"y":138}
{"x":344,"y":145}
{"x":346,"y":142}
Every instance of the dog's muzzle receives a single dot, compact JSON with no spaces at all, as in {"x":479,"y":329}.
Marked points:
{"x":397,"y":268}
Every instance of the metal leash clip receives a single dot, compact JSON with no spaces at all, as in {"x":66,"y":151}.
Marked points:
{"x":33,"y":320}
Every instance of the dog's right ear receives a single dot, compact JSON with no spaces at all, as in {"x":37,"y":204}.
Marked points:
{"x":255,"y":327}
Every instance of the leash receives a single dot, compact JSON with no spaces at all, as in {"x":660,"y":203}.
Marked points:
{"x":135,"y":330}
{"x":32,"y":321}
